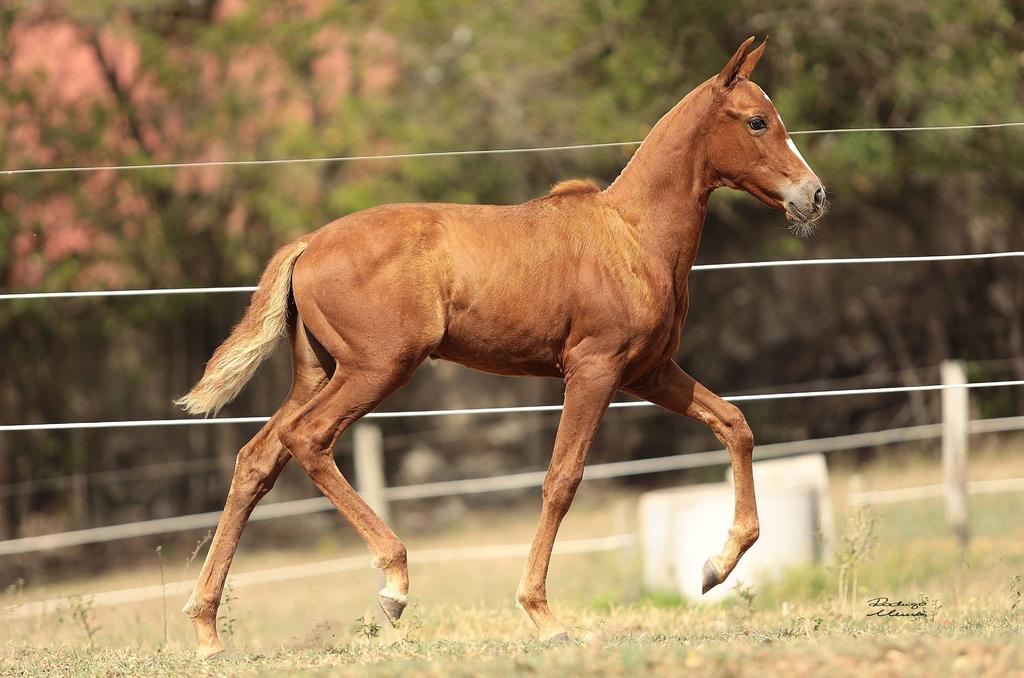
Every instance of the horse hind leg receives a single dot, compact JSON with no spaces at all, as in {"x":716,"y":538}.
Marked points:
{"x":309,"y":435}
{"x":257,"y":467}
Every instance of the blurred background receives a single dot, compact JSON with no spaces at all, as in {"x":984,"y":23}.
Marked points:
{"x":100,"y":83}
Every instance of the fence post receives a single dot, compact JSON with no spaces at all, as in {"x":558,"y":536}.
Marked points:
{"x":955,"y":416}
{"x":369,"y":463}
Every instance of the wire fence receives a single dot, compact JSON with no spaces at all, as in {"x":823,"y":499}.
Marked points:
{"x":140,"y":423}
{"x":417,"y":557}
{"x":904,"y":494}
{"x":486,"y":151}
{"x":396,"y":441}
{"x":502,"y":483}
{"x":699,"y":267}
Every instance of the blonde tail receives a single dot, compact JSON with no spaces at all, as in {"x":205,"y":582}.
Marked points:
{"x":251,"y":342}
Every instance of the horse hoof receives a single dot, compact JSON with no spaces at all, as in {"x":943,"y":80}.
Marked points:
{"x":711,"y":576}
{"x":560,"y":638}
{"x":209,"y":653}
{"x":391,"y":607}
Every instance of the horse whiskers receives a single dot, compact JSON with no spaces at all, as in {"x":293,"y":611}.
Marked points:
{"x":803,"y":229}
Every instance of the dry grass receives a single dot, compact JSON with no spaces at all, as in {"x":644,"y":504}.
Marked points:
{"x":463,"y":621}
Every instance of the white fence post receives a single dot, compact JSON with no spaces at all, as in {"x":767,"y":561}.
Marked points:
{"x":955,"y":417}
{"x":369,"y":463}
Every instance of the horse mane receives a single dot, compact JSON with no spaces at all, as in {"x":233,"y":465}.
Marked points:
{"x":574,"y":187}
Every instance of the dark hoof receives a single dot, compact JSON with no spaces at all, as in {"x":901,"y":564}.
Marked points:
{"x":392,"y":608}
{"x":558,"y":639}
{"x":711,"y":576}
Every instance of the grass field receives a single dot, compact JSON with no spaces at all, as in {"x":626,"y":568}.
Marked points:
{"x":462,"y":620}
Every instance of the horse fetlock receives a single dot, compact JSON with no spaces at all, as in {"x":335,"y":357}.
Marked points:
{"x":527,"y":599}
{"x":394,"y":564}
{"x":395,"y":556}
{"x":744,"y":536}
{"x":196,"y":609}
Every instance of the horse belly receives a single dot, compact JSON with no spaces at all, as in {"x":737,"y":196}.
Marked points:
{"x":512,"y":344}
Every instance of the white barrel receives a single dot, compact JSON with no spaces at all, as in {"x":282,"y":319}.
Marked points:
{"x":681,"y":527}
{"x":806,"y":471}
{"x":658,"y":512}
{"x":701,"y":528}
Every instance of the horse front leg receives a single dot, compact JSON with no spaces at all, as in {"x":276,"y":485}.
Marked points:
{"x":590,"y":385}
{"x":678,"y":392}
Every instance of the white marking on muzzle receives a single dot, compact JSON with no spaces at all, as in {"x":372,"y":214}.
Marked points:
{"x":796,"y":152}
{"x":789,"y":140}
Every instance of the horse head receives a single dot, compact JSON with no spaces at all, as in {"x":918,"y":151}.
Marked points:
{"x":749,"y":148}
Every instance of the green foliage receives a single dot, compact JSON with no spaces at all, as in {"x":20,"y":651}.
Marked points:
{"x":226,"y":617}
{"x":163,"y":590}
{"x":80,"y":612}
{"x":367,"y":628}
{"x":856,"y":544}
{"x":1016,"y":594}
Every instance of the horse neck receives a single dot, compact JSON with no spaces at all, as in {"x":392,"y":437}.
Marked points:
{"x":663,"y":191}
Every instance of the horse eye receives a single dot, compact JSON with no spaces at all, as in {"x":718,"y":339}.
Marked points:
{"x":757,"y":123}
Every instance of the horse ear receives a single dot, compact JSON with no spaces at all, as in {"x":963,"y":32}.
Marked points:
{"x":750,"y":63}
{"x":727,"y":76}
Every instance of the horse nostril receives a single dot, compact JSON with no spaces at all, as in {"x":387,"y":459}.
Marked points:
{"x":819,"y":198}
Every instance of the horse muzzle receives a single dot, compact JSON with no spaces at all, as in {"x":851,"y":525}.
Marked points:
{"x":807,"y":204}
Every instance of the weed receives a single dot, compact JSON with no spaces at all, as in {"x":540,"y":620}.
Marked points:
{"x":410,"y":624}
{"x":17,"y":587}
{"x":931,"y":606}
{"x":195,"y":552}
{"x":856,"y":544}
{"x":163,"y":588}
{"x":746,"y":594}
{"x":367,"y":627}
{"x":12,"y":594}
{"x":226,"y":617}
{"x":80,"y":611}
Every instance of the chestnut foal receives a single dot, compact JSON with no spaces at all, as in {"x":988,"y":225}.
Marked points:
{"x":583,"y":284}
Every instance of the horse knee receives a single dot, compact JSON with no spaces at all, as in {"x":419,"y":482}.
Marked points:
{"x":560,"y":489}
{"x":736,"y":431}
